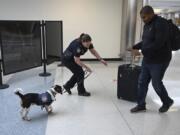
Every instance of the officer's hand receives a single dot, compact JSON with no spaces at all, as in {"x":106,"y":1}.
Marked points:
{"x":104,"y":62}
{"x":88,"y":69}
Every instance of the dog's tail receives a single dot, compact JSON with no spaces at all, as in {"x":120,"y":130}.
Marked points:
{"x":18,"y":92}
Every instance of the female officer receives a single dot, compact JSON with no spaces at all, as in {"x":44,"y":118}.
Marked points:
{"x":71,"y":60}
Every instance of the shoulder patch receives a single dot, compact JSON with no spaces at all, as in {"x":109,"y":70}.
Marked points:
{"x":78,"y":50}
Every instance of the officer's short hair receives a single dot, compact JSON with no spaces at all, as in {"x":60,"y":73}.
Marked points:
{"x":85,"y":38}
{"x":147,"y":10}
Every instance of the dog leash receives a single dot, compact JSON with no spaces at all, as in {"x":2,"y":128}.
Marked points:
{"x":87,"y":74}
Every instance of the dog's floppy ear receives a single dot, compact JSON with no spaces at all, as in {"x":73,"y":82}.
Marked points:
{"x":58,"y":89}
{"x":57,"y":85}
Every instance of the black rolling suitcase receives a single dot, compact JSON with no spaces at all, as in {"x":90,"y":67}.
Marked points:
{"x":127,"y":83}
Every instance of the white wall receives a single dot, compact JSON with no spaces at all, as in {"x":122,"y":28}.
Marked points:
{"x":100,"y":18}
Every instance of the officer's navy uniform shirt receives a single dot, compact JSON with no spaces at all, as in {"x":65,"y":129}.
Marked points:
{"x":75,"y":49}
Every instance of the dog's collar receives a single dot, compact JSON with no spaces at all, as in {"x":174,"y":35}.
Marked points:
{"x":52,"y":96}
{"x":52,"y":89}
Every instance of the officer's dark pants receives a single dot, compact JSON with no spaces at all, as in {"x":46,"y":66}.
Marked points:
{"x":77,"y":77}
{"x":154,"y":72}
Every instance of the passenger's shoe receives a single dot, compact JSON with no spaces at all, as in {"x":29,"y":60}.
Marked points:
{"x":67,"y":90}
{"x":138,"y":109}
{"x":86,"y":94}
{"x":165,"y":108}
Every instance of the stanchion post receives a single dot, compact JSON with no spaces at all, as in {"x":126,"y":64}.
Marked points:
{"x":43,"y":43}
{"x":2,"y":86}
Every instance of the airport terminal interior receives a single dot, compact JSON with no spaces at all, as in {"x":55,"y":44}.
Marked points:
{"x":33,"y":37}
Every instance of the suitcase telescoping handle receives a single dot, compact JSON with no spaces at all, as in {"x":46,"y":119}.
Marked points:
{"x":132,"y":64}
{"x":132,"y":60}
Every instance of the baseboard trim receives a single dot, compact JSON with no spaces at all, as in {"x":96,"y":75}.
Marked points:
{"x":106,"y":59}
{"x":89,"y":59}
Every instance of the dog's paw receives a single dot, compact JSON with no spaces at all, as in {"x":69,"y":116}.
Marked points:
{"x":26,"y":118}
{"x":50,"y":110}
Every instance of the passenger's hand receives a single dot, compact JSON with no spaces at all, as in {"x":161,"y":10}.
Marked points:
{"x":135,"y":52}
{"x":104,"y":62}
{"x":129,"y":49}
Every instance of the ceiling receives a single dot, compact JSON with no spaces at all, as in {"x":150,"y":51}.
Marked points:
{"x":165,"y":6}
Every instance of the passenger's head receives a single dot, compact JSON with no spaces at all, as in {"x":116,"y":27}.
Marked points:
{"x":147,"y":14}
{"x":85,"y":39}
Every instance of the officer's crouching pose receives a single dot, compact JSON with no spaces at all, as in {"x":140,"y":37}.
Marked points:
{"x":71,"y":59}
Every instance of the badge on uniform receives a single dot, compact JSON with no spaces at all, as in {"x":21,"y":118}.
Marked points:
{"x":78,"y":50}
{"x":150,"y":28}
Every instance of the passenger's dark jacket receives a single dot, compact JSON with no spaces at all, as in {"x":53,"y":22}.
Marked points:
{"x":155,"y":44}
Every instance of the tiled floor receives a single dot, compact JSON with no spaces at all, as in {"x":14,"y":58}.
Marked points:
{"x":100,"y":114}
{"x":10,"y":120}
